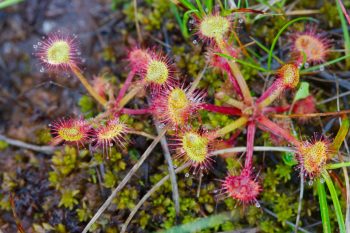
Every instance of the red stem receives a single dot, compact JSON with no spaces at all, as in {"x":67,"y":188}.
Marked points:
{"x":250,"y":146}
{"x":275,"y":85}
{"x":220,"y":109}
{"x":277,"y":109}
{"x":233,"y":81}
{"x":125,"y":87}
{"x":265,"y":124}
{"x":136,"y":111}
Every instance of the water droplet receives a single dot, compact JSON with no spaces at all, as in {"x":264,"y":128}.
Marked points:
{"x":321,"y":68}
{"x":240,"y":20}
{"x":161,"y":126}
{"x":175,"y":166}
{"x":215,"y":191}
{"x":206,"y":10}
{"x":191,"y":21}
{"x":322,"y":180}
{"x":310,"y":183}
{"x":195,"y":42}
{"x":83,"y":60}
{"x":42,"y":69}
{"x":306,"y":65}
{"x":190,"y":29}
{"x":49,"y":125}
{"x":187,"y":175}
{"x":110,"y":144}
{"x":39,"y":43}
{"x":35,"y":46}
{"x":193,"y":173}
{"x":43,"y":37}
{"x":78,"y":53}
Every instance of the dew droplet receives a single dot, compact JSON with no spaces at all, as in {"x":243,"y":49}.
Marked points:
{"x":190,"y":29}
{"x":43,"y":37}
{"x":35,"y":46}
{"x":240,"y":20}
{"x":306,"y":65}
{"x":191,"y":21}
{"x":78,"y":53}
{"x":175,"y":166}
{"x":42,"y":69}
{"x":310,"y":183}
{"x":49,"y":125}
{"x":257,"y":204}
{"x":195,"y":42}
{"x":215,"y":191}
{"x":110,"y":144}
{"x":322,"y":180}
{"x":187,"y":175}
{"x":39,"y":43}
{"x":321,"y":68}
{"x":206,"y":10}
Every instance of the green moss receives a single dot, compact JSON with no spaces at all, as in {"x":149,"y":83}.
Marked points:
{"x":69,"y":199}
{"x":43,"y":136}
{"x":3,"y":145}
{"x":87,"y":106}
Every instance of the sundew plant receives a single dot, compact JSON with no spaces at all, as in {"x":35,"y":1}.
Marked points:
{"x":245,"y":136}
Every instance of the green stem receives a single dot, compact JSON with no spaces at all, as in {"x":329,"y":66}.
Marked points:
{"x":233,"y":126}
{"x":87,"y":85}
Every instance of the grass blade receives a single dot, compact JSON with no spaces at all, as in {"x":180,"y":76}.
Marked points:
{"x":338,"y":165}
{"x":242,"y":62}
{"x":335,"y":200}
{"x":8,"y":3}
{"x":322,"y":198}
{"x":318,"y":67}
{"x":342,"y":132}
{"x":279,"y":34}
{"x":209,"y":5}
{"x":344,"y":27}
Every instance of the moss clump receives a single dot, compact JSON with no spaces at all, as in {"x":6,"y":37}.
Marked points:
{"x":3,"y":145}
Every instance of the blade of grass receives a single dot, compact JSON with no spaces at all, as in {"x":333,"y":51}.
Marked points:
{"x":185,"y":20}
{"x":209,"y":5}
{"x":322,"y":198}
{"x":344,"y":27}
{"x":8,"y":3}
{"x":314,"y":68}
{"x":242,"y":62}
{"x":267,"y":50}
{"x":342,"y":132}
{"x":200,"y":7}
{"x":335,"y":199}
{"x":338,"y":165}
{"x":189,"y":6}
{"x":279,"y":34}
